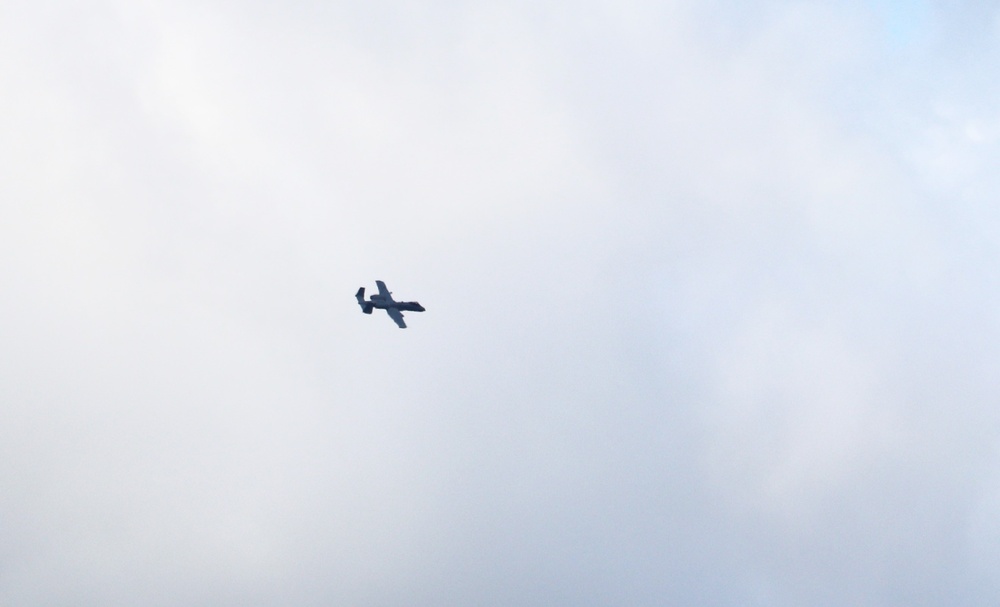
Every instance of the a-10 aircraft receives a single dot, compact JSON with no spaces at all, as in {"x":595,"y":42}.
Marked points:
{"x":383,"y":301}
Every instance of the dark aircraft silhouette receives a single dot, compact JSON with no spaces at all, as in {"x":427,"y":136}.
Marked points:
{"x":383,"y":301}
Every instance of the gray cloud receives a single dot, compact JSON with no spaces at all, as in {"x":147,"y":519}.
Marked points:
{"x":709,"y":306}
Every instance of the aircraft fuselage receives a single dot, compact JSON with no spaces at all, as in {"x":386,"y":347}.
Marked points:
{"x":382,"y":303}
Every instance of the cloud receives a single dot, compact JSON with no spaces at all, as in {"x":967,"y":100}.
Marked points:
{"x":708,"y":294}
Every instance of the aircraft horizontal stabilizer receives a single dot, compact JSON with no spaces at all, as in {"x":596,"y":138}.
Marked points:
{"x":366,"y":306}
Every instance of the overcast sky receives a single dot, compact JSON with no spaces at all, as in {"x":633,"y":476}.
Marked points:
{"x":711,"y":293}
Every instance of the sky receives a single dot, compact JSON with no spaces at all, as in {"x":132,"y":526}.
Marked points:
{"x":711,"y":294}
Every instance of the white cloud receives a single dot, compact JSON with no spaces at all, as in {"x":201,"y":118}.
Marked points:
{"x":699,"y":327}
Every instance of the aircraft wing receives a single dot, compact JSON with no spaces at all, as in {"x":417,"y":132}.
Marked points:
{"x":384,"y":292}
{"x":396,"y":316}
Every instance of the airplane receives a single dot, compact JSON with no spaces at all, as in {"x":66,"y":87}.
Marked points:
{"x":384,"y":301}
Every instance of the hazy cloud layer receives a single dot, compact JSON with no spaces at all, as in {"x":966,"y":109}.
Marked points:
{"x":710,"y":286}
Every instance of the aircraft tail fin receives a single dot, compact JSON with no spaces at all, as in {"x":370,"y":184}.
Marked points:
{"x":366,"y":306}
